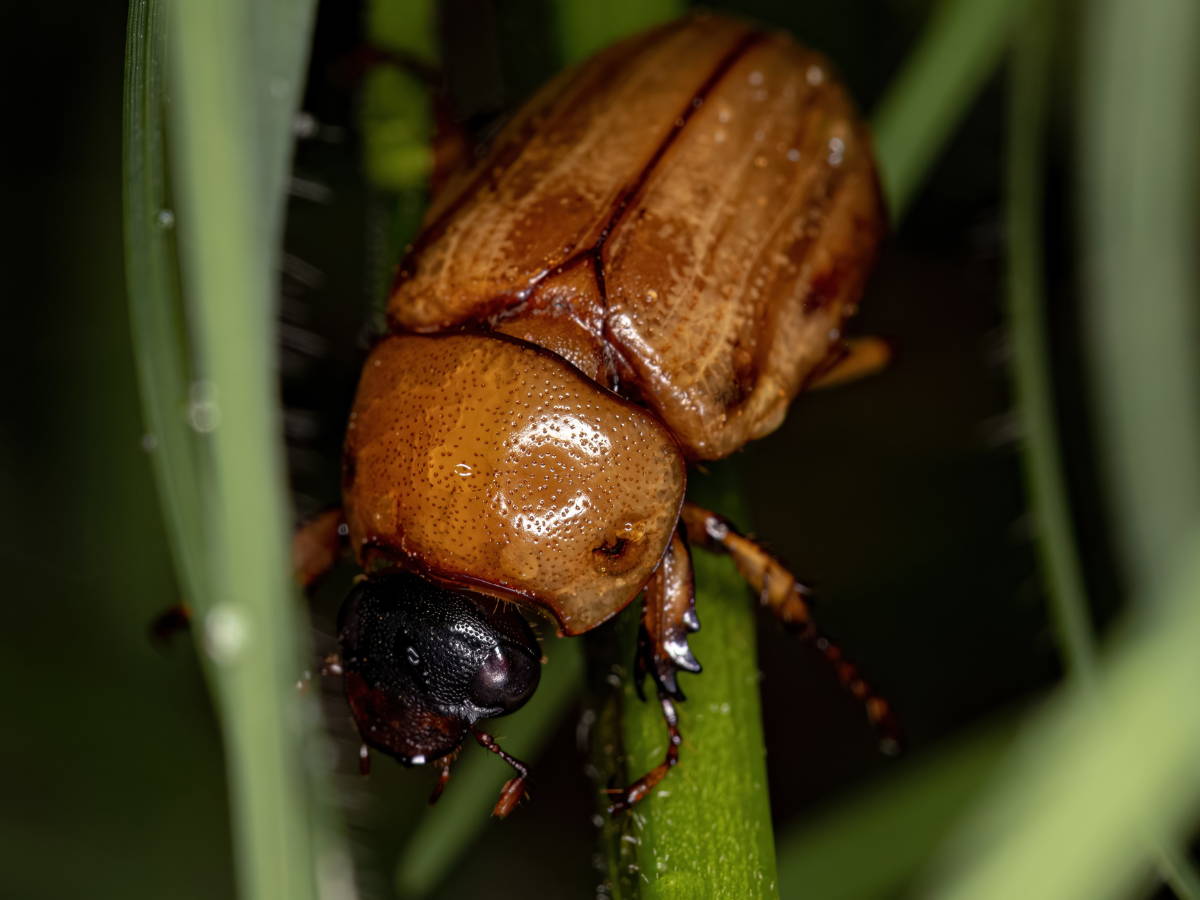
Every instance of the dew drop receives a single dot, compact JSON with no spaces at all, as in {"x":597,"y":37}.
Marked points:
{"x":165,"y":219}
{"x":225,"y":634}
{"x":837,"y":151}
{"x":203,"y":413}
{"x":305,"y":126}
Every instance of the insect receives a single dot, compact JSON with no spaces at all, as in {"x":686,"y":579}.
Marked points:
{"x":655,"y":255}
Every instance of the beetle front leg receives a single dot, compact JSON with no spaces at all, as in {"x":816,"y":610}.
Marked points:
{"x":668,"y":616}
{"x":644,"y":785}
{"x":316,"y":546}
{"x":780,"y":591}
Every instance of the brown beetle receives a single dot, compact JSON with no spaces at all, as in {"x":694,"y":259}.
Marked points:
{"x":656,"y":254}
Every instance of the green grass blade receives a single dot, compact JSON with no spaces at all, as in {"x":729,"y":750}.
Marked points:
{"x":154,"y":302}
{"x":230,"y":151}
{"x":282,"y":32}
{"x":1032,"y":382}
{"x":1106,"y":775}
{"x":1138,"y":148}
{"x":1049,"y":504}
{"x":873,"y":843}
{"x":959,"y":50}
{"x":1063,"y":823}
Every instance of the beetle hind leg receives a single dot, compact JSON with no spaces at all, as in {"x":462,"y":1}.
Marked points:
{"x":855,"y":359}
{"x":780,"y":591}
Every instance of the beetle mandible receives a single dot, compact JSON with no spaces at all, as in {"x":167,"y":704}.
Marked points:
{"x":655,"y":255}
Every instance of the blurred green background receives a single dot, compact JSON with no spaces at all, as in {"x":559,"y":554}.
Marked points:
{"x":919,"y":546}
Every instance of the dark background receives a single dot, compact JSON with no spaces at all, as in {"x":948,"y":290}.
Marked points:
{"x":918,"y":542}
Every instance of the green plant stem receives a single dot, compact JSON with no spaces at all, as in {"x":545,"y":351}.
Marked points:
{"x":396,"y":117}
{"x":235,"y":84}
{"x":705,"y":831}
{"x":583,"y":28}
{"x":958,"y":51}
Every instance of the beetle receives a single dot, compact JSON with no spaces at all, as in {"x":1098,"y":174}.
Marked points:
{"x":656,"y":254}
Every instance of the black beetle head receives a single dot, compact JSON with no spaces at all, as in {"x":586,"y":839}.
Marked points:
{"x":422,"y":663}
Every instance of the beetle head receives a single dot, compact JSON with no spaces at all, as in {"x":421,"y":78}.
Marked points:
{"x":422,"y":663}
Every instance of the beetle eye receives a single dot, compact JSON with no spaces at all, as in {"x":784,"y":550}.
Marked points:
{"x":506,"y":679}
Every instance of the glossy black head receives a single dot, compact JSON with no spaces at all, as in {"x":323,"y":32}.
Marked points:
{"x":422,"y":663}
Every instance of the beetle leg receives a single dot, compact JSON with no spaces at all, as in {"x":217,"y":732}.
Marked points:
{"x":443,"y":765}
{"x":859,"y":358}
{"x":668,"y":616}
{"x":316,"y":546}
{"x":514,"y":788}
{"x":779,"y":591}
{"x":443,"y":777}
{"x":776,"y":586}
{"x":644,"y":785}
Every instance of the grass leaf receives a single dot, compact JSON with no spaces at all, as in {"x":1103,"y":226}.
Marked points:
{"x":957,"y":53}
{"x":212,"y":407}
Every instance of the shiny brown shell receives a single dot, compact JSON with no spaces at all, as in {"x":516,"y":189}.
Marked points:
{"x":688,"y":216}
{"x":491,"y":464}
